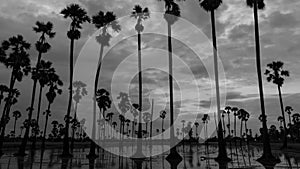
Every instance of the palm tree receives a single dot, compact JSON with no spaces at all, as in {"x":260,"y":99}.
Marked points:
{"x":135,"y":113}
{"x":211,"y":6}
{"x":122,"y":120}
{"x":288,"y":110}
{"x":196,"y":125}
{"x":183,"y":122}
{"x":54,"y":83}
{"x":162,"y":115}
{"x":109,"y":117}
{"x":104,"y":21}
{"x":80,"y":91}
{"x":276,"y":74}
{"x":235,"y":114}
{"x":114,"y":124}
{"x":205,"y":120}
{"x":140,"y":14}
{"x":267,"y":153}
{"x":16,"y":115}
{"x":78,"y":16}
{"x":147,"y":119}
{"x":172,"y":12}
{"x":228,"y":110}
{"x":17,"y":60}
{"x":280,"y":119}
{"x":223,"y":121}
{"x":242,"y":115}
{"x":43,"y":74}
{"x":42,"y":46}
{"x":21,"y":130}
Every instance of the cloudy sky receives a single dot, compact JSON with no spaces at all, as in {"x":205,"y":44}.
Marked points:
{"x":279,"y":33}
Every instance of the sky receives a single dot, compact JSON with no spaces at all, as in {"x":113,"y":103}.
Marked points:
{"x":193,"y":64}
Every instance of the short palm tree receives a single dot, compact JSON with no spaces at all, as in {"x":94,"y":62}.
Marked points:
{"x":228,"y":111}
{"x":78,"y":16}
{"x":288,"y":110}
{"x":280,"y":119}
{"x":140,"y":14}
{"x":147,"y":119}
{"x":223,"y":112}
{"x":17,"y":60}
{"x":16,"y":114}
{"x":183,"y":131}
{"x":276,"y":74}
{"x":267,"y":153}
{"x":211,"y":6}
{"x":53,"y":84}
{"x":243,"y":115}
{"x":235,"y":114}
{"x":196,"y":125}
{"x":162,"y":115}
{"x":79,"y":92}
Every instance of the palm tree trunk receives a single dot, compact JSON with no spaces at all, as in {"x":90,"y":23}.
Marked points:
{"x":39,"y":104}
{"x":221,"y":142}
{"x":139,"y":145}
{"x":267,"y":153}
{"x":241,"y":130}
{"x":224,"y":131}
{"x":73,"y":129}
{"x":45,"y":128}
{"x":283,"y":116}
{"x":228,"y":125}
{"x":151,"y":118}
{"x":66,"y":147}
{"x":234,"y":126}
{"x":170,"y":49}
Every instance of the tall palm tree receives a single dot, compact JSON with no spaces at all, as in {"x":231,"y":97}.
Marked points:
{"x":288,"y":110}
{"x":54,"y":83}
{"x":242,"y":116}
{"x":228,"y":111}
{"x":42,"y":46}
{"x":172,"y":12}
{"x":104,"y":21}
{"x":140,"y":14}
{"x":211,"y":6}
{"x":114,"y":124}
{"x":16,"y":114}
{"x":276,"y":74}
{"x":78,"y":16}
{"x":205,"y":120}
{"x":267,"y":153}
{"x":280,"y":119}
{"x":17,"y":60}
{"x":135,"y":113}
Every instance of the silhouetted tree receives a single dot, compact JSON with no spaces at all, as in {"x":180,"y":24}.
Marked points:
{"x":42,"y":46}
{"x":78,"y":16}
{"x":211,"y":6}
{"x":54,"y":83}
{"x":288,"y":110}
{"x":16,"y":114}
{"x":18,"y":60}
{"x":276,"y":74}
{"x":267,"y":153}
{"x":140,"y":14}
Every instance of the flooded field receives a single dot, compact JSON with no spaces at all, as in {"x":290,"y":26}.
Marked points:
{"x":194,"y":157}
